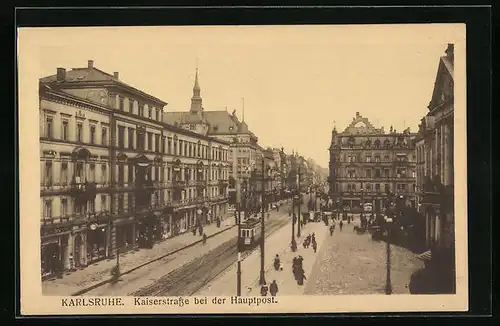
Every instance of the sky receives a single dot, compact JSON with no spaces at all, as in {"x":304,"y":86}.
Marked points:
{"x":297,"y":81}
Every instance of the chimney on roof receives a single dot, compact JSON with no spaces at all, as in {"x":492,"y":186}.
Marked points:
{"x":61,"y":74}
{"x":357,"y":114}
{"x":91,"y":64}
{"x":115,"y":74}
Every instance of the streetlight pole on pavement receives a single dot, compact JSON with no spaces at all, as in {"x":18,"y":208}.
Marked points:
{"x":238,"y":272}
{"x":388,"y":285}
{"x":262,"y":279}
{"x":298,"y":204}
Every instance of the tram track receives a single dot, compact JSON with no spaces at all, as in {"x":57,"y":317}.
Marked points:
{"x":194,"y":275}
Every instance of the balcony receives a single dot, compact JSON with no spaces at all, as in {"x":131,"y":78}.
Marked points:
{"x":83,"y":190}
{"x":224,"y":182}
{"x":179,"y":183}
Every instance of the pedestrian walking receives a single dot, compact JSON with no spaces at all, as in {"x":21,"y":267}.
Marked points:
{"x":341,"y":224}
{"x":332,"y":228}
{"x":315,"y":246}
{"x":263,"y":290}
{"x":204,"y":238}
{"x":273,"y":288}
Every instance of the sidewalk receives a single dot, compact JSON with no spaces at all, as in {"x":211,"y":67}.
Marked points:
{"x":277,"y":243}
{"x":100,"y":272}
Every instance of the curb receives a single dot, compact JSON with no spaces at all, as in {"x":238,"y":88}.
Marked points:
{"x":101,"y":283}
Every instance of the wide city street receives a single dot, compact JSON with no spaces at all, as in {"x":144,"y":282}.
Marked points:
{"x":349,"y":263}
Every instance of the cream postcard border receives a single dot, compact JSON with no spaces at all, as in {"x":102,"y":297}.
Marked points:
{"x":33,"y":303}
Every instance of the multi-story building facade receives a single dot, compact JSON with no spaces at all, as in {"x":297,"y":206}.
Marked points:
{"x":434,"y":148}
{"x":114,"y":175}
{"x":366,"y":163}
{"x":225,"y":127}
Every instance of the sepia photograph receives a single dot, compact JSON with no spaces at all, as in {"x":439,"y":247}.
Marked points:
{"x":243,"y":169}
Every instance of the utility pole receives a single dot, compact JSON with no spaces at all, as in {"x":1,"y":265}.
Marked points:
{"x":238,"y":244}
{"x":262,"y":279}
{"x":298,"y":204}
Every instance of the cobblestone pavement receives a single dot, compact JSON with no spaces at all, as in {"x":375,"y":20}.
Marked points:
{"x":277,"y":243}
{"x":349,"y":263}
{"x":100,"y":271}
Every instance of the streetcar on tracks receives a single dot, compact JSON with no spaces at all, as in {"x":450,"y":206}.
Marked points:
{"x":250,"y":233}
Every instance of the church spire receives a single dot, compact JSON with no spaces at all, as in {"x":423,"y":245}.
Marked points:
{"x":196,"y":101}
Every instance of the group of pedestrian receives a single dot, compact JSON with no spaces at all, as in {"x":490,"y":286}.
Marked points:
{"x":310,"y":240}
{"x":298,"y":270}
{"x":273,"y":289}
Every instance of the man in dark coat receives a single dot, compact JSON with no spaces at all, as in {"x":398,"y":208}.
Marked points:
{"x":273,"y":288}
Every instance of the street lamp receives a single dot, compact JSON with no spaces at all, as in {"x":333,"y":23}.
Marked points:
{"x":262,"y":279}
{"x":298,"y":204}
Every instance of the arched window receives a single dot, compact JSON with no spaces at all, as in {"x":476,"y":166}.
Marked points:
{"x":350,"y":142}
{"x":387,"y":143}
{"x":377,"y":143}
{"x":368,"y":143}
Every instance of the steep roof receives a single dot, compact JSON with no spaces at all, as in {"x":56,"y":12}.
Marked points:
{"x":444,"y":80}
{"x":86,"y":75}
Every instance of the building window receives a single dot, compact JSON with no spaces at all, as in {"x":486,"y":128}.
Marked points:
{"x":104,"y":136}
{"x":368,"y":159}
{"x":368,"y":173}
{"x":140,"y":140}
{"x":121,"y":174}
{"x":386,"y":187}
{"x":64,"y":133}
{"x":92,"y":172}
{"x":175,"y":148}
{"x":413,"y":174}
{"x":121,"y":137}
{"x":377,"y":173}
{"x":121,"y":205}
{"x":163,"y":144}
{"x":150,"y":141}
{"x":48,"y":127}
{"x":64,"y":207}
{"x":387,"y":143}
{"x":141,"y":110}
{"x":103,"y":173}
{"x":369,"y":187}
{"x":79,"y":172}
{"x":104,"y":206}
{"x":131,"y":105}
{"x":150,"y":113}
{"x":131,"y":138}
{"x":92,"y":134}
{"x":185,"y":149}
{"x":351,"y":174}
{"x":386,"y":158}
{"x":64,"y":173}
{"x":377,"y":186}
{"x":169,"y":145}
{"x":130,"y":178}
{"x":377,"y":159}
{"x":79,"y":132}
{"x":121,"y":103}
{"x":403,"y":187}
{"x":386,"y":173}
{"x":157,"y":143}
{"x":48,"y":173}
{"x":47,"y":208}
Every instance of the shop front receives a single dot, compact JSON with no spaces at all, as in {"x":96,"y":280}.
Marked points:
{"x":55,"y":252}
{"x":97,"y":242}
{"x":125,"y":235}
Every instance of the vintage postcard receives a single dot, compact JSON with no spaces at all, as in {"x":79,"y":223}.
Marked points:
{"x":243,"y":169}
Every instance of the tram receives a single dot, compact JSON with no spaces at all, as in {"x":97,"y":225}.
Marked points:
{"x":250,"y":233}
